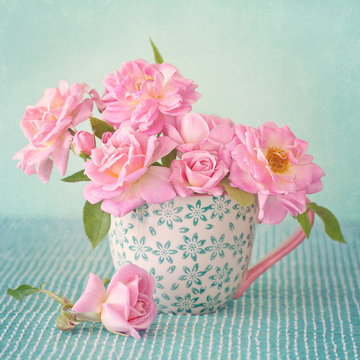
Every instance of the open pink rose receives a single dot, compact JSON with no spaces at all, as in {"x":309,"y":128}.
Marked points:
{"x":121,"y":175}
{"x":144,"y":96}
{"x":198,"y":171}
{"x":272,"y":162}
{"x":46,"y":126}
{"x":126,"y":306}
{"x":83,"y":142}
{"x":194,"y":131}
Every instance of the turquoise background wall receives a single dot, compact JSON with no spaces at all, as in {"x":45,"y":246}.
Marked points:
{"x":291,"y":62}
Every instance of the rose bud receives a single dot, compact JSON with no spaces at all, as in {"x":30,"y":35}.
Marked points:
{"x":83,"y":142}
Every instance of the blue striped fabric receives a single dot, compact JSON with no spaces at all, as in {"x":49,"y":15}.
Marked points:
{"x":306,"y":307}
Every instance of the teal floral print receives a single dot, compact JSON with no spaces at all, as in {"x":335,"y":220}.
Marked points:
{"x":140,"y":248}
{"x":168,"y":213}
{"x":221,"y":276}
{"x":237,"y":247}
{"x":210,"y":304}
{"x":192,"y":247}
{"x":157,"y":278}
{"x":196,"y":249}
{"x":120,"y":232}
{"x":194,"y":275}
{"x":196,"y":212}
{"x":121,"y":259}
{"x":185,"y":304}
{"x":164,"y":252}
{"x":141,"y":212}
{"x":196,"y":291}
{"x":241,"y":211}
{"x":220,"y":207}
{"x":217,"y":247}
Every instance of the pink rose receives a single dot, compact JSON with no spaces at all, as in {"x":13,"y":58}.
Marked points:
{"x":272,"y":162}
{"x":83,"y":142}
{"x":144,"y":96}
{"x":126,"y":306}
{"x":46,"y":126}
{"x":121,"y":175}
{"x":198,"y":171}
{"x":194,"y":131}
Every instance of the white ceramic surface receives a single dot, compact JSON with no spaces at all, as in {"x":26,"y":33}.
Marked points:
{"x":197,"y":249}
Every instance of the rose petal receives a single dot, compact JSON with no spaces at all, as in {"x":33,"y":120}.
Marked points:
{"x":270,"y":209}
{"x":154,"y":179}
{"x":92,"y":297}
{"x":128,"y":272}
{"x":144,"y":313}
{"x":114,"y":320}
{"x":61,"y":153}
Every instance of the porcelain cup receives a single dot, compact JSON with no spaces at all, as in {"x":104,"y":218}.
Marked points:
{"x":197,"y":249}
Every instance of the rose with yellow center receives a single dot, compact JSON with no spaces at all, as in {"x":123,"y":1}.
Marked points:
{"x":273,"y":163}
{"x":277,"y":159}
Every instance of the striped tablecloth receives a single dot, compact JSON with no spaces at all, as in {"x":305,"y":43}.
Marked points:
{"x":306,"y":307}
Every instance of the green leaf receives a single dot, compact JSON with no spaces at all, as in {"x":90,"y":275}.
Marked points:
{"x":22,"y":291}
{"x":331,"y":224}
{"x":242,"y":197}
{"x":99,"y":127}
{"x":167,"y":159}
{"x":78,"y":176}
{"x":96,"y":223}
{"x":157,"y":56}
{"x":305,"y":223}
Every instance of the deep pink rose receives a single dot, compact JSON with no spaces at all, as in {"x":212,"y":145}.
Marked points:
{"x":146,"y":96}
{"x":83,"y":142}
{"x":198,"y":171}
{"x":272,"y":162}
{"x":121,"y":175}
{"x":194,"y":131}
{"x":46,"y":126}
{"x":126,"y":306}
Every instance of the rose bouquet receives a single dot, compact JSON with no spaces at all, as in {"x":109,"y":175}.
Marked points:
{"x":151,"y":148}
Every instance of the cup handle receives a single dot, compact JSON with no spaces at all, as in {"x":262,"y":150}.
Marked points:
{"x":273,"y":256}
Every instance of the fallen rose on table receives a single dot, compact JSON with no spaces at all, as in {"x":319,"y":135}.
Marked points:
{"x":127,"y":305}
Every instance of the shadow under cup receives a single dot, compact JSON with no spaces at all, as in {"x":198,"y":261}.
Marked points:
{"x":197,"y":249}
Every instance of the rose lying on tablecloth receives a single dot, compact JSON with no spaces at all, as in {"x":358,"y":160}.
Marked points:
{"x":127,"y":305}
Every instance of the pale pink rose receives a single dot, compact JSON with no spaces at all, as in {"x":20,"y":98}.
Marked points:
{"x":272,"y":162}
{"x":198,"y":171}
{"x":121,"y":175}
{"x":83,"y":142}
{"x":145,"y":96}
{"x":194,"y":131}
{"x":46,"y":126}
{"x":126,"y":306}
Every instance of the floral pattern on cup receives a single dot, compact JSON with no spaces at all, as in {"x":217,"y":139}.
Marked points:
{"x":196,"y":248}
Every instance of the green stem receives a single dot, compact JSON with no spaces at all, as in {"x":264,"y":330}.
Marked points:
{"x":57,"y":298}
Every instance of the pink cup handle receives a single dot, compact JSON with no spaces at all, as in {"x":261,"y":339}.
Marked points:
{"x":273,"y":256}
